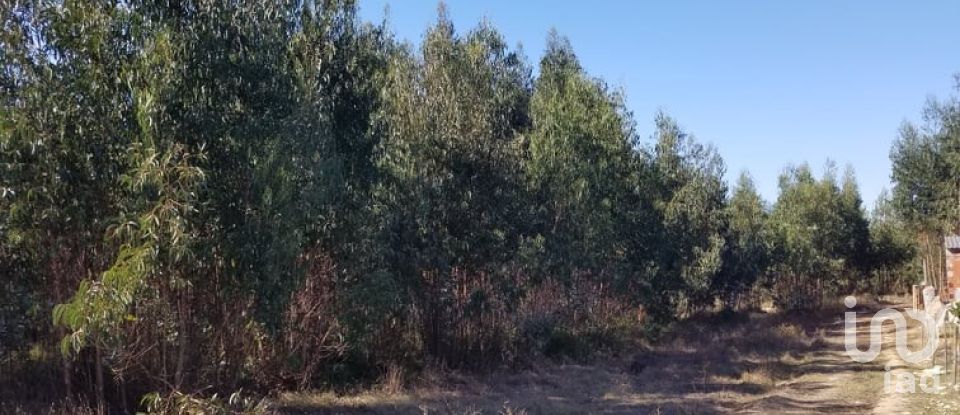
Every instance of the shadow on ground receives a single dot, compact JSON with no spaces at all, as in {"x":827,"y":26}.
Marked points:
{"x":751,"y":363}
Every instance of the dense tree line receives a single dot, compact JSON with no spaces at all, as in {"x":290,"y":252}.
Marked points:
{"x":203,"y":196}
{"x":925,"y":201}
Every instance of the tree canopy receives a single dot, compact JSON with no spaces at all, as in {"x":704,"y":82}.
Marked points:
{"x":203,"y":196}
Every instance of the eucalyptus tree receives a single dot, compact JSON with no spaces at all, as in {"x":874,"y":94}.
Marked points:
{"x":855,"y":231}
{"x":894,"y":257}
{"x":579,"y":162}
{"x":66,"y":123}
{"x":820,"y":236}
{"x":240,"y":132}
{"x":152,"y":291}
{"x":747,"y":253}
{"x":926,"y":187}
{"x":691,"y":199}
{"x":451,"y":198}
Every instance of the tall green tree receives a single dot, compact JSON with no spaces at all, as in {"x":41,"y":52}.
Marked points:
{"x":66,"y":123}
{"x":894,"y":251}
{"x":926,"y":189}
{"x":747,"y":252}
{"x":451,"y":196}
{"x":578,"y":164}
{"x":240,"y":137}
{"x":691,"y":200}
{"x":856,"y":229}
{"x":821,"y":237}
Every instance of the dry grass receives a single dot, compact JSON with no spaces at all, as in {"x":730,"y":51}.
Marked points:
{"x":392,"y":380}
{"x":756,"y":362}
{"x":62,"y":407}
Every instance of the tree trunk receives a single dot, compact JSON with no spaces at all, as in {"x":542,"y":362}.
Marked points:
{"x":67,"y":375}
{"x":98,"y":372}
{"x":183,"y":338}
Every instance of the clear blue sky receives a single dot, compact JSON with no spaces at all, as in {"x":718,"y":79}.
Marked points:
{"x":769,"y":83}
